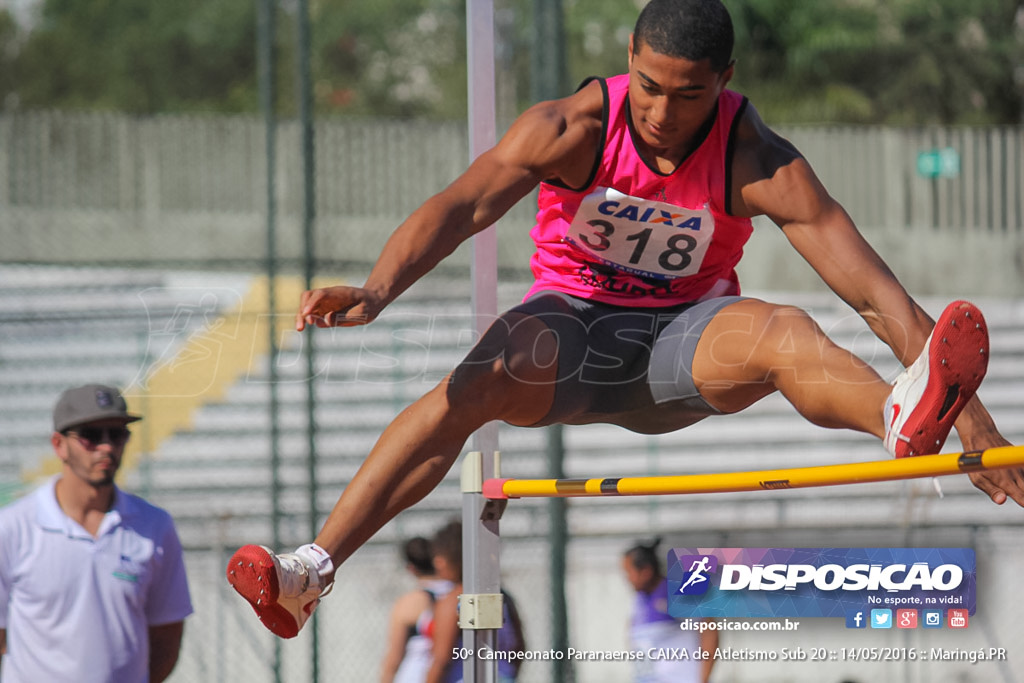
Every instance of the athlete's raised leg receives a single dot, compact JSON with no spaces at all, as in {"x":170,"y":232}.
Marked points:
{"x":751,"y":349}
{"x":509,"y":375}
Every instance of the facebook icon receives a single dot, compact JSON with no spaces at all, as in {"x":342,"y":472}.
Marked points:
{"x":856,"y":619}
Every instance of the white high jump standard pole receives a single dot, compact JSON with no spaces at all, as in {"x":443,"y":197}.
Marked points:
{"x":480,"y":609}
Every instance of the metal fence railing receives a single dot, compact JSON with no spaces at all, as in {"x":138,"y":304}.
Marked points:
{"x":200,"y":179}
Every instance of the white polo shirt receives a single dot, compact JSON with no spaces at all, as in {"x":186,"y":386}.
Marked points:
{"x":78,"y":608}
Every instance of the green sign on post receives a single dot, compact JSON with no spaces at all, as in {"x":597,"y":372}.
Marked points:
{"x":939,"y":163}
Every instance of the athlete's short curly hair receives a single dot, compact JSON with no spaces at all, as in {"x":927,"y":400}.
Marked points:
{"x":690,"y":29}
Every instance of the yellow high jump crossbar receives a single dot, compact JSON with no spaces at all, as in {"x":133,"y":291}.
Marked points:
{"x":761,"y":480}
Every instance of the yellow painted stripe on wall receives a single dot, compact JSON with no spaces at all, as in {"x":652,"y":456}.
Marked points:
{"x":208,"y":364}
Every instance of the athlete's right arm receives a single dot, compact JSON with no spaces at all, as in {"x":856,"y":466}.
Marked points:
{"x":551,"y":140}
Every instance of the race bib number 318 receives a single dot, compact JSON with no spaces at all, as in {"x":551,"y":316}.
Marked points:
{"x":641,"y":236}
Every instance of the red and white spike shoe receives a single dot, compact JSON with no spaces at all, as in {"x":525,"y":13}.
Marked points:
{"x":929,"y":395}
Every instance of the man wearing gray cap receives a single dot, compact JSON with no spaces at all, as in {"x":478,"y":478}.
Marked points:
{"x":92,"y":579}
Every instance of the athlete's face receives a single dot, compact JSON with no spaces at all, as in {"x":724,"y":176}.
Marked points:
{"x":670,"y":98}
{"x":92,"y":453}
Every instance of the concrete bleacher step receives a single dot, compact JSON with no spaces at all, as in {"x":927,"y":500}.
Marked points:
{"x":64,"y":326}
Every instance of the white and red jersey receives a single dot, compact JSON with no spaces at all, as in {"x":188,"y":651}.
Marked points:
{"x":634,"y":236}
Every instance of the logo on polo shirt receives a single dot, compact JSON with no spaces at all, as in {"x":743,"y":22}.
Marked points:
{"x":130,"y":570}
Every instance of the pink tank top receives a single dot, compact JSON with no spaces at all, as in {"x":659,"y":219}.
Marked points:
{"x":637,"y":237}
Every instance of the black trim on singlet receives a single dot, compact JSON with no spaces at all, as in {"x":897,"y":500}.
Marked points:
{"x":730,"y":149}
{"x":699,"y":138}
{"x":410,"y":630}
{"x":601,"y":143}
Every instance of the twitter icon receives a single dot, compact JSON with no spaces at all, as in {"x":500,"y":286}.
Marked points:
{"x":881,"y":618}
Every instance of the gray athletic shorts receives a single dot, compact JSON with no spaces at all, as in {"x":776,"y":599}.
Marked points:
{"x":626,"y":366}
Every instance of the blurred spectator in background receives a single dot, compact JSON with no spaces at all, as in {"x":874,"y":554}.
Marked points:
{"x":651,"y":627}
{"x":410,"y":646}
{"x":92,"y":580}
{"x":447,"y":545}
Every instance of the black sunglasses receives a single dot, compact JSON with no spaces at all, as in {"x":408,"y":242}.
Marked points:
{"x":94,"y":436}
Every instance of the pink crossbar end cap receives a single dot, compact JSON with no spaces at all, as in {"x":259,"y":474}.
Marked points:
{"x":493,"y":489}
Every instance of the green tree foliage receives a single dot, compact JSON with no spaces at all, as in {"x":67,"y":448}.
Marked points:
{"x":957,"y":63}
{"x":390,"y":57}
{"x":140,"y":56}
{"x":8,"y":51}
{"x":598,"y":35}
{"x":794,"y":58}
{"x":880,"y":61}
{"x":852,"y":61}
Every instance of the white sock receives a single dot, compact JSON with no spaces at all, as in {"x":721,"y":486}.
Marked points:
{"x":319,"y":557}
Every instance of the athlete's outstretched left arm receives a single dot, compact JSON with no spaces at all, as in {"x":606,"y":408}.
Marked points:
{"x":772,"y":178}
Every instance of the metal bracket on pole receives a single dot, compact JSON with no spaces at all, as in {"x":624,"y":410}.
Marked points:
{"x":480,"y":611}
{"x":472,"y":481}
